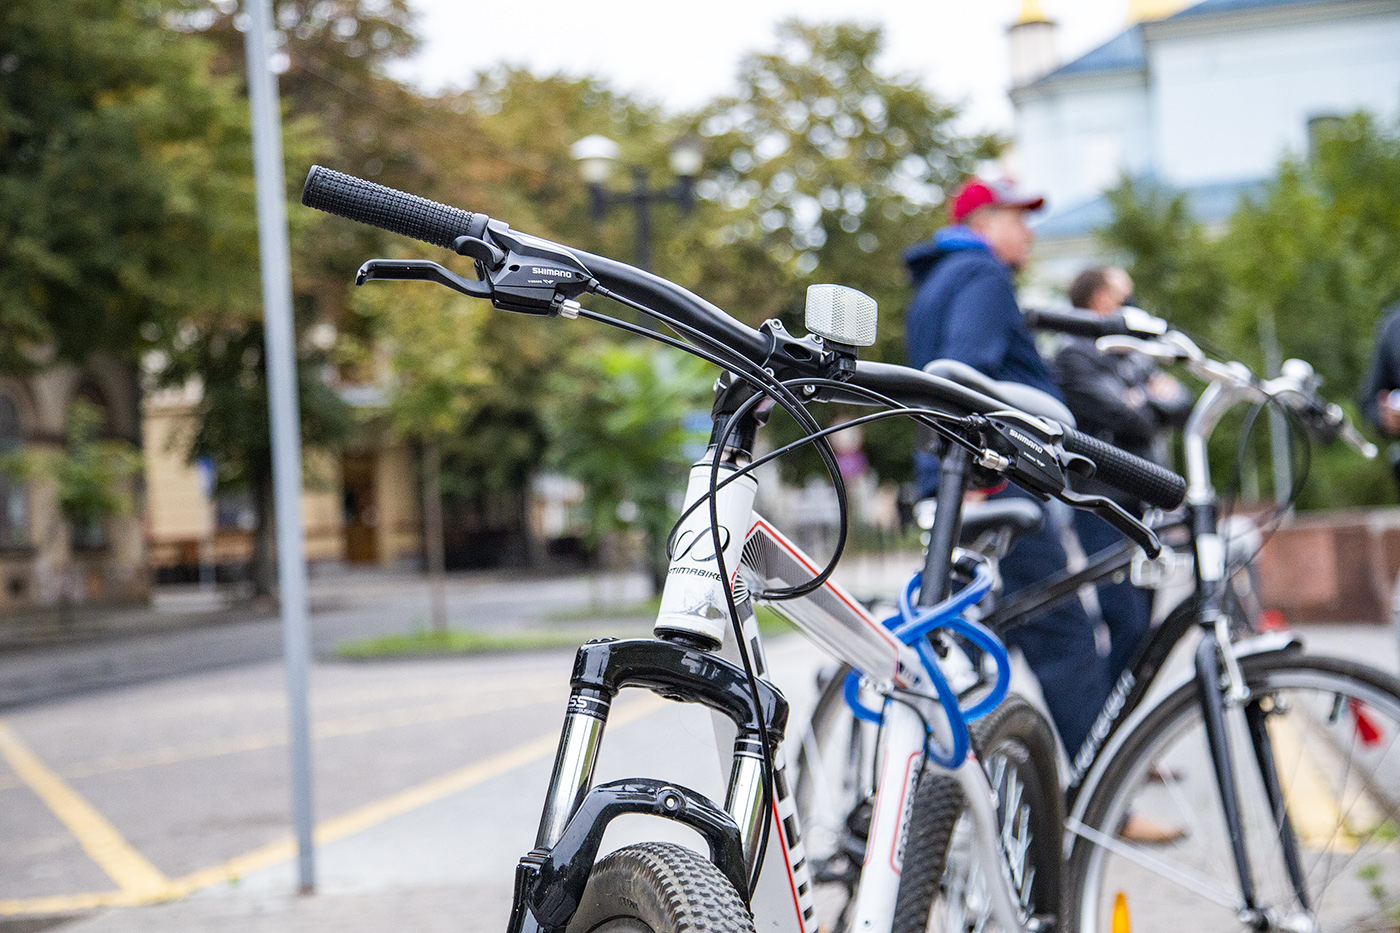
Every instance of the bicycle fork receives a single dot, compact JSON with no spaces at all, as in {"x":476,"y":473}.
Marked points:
{"x":550,"y":879}
{"x":1211,"y":656}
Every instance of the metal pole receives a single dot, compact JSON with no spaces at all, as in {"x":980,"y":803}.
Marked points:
{"x":274,"y":256}
{"x":641,"y":203}
{"x":1278,"y":424}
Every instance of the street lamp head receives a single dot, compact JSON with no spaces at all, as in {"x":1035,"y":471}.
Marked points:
{"x":687,"y":157}
{"x":596,"y":156}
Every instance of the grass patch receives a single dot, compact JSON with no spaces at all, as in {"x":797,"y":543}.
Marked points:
{"x":624,"y":611}
{"x":452,"y":642}
{"x":769,"y":622}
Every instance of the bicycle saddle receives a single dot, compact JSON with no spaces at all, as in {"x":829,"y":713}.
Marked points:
{"x":1018,"y":516}
{"x":1027,"y":399}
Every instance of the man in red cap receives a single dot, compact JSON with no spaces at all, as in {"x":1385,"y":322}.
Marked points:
{"x":964,"y":308}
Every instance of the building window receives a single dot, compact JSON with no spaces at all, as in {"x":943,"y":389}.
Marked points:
{"x":14,"y":501}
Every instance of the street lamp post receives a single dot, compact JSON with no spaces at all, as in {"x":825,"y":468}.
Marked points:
{"x":597,"y":156}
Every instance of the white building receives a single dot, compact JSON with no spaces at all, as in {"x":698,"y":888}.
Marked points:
{"x":1205,"y":100}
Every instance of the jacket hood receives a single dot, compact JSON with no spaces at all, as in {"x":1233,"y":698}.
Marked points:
{"x":922,"y":257}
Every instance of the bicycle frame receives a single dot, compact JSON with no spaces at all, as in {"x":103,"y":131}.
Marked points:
{"x":691,"y":660}
{"x":1216,"y":671}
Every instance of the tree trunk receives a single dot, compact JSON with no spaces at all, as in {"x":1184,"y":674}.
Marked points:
{"x":432,"y":534}
{"x":264,"y":566}
{"x":656,"y":561}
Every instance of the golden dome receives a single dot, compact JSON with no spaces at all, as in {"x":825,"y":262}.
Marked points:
{"x":1031,"y":13}
{"x":1144,"y":11}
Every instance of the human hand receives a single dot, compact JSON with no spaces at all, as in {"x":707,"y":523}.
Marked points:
{"x":1162,"y":387}
{"x":1389,"y":415}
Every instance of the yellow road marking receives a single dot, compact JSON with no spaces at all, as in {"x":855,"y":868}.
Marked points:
{"x":1312,"y":806}
{"x":98,"y":837}
{"x":257,"y":741}
{"x":347,"y":824}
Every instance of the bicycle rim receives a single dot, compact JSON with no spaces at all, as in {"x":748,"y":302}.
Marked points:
{"x":1017,"y":748}
{"x":834,"y":776}
{"x":1334,"y":730}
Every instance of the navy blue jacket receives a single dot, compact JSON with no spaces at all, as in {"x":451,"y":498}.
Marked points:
{"x":964,"y":308}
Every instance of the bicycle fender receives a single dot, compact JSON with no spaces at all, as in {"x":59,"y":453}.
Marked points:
{"x":549,"y":883}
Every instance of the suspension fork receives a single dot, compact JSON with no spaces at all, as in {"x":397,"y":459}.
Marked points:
{"x":1212,"y":655}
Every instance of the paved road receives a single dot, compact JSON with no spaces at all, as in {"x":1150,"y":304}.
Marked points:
{"x":429,"y":778}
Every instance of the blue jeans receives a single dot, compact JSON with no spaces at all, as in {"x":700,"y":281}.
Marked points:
{"x":1127,"y":610}
{"x":1059,"y":644}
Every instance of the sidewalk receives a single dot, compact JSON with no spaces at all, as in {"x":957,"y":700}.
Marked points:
{"x":172,"y":637}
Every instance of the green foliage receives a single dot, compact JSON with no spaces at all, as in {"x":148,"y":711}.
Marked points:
{"x":124,"y":165}
{"x":461,"y":375}
{"x":90,"y":473}
{"x":615,"y":423}
{"x":1318,"y":251}
{"x":1176,"y":270}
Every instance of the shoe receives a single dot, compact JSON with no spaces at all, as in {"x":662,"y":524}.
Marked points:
{"x":1147,"y":831}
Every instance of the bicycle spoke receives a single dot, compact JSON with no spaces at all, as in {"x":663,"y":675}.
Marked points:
{"x":1191,"y":880}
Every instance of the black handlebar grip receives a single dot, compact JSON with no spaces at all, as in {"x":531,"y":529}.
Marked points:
{"x":388,"y":208}
{"x":1079,"y":323}
{"x":1151,"y":483}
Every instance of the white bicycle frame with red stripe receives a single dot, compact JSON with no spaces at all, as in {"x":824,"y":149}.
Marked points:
{"x":757,"y":556}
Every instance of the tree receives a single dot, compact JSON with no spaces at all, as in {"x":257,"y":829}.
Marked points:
{"x":830,"y":168}
{"x":1176,"y":270}
{"x":625,"y":440}
{"x":232,"y":427}
{"x":124,"y":164}
{"x":457,"y":378}
{"x":833,"y":166}
{"x":1317,"y":251}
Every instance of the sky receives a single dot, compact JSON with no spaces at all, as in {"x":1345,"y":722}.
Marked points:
{"x":681,"y":55}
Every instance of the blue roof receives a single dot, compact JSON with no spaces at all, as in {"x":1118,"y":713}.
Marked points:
{"x":1209,"y":204}
{"x":1123,"y":52}
{"x":1209,"y":7}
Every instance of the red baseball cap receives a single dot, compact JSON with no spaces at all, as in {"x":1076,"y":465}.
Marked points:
{"x":977,"y":193}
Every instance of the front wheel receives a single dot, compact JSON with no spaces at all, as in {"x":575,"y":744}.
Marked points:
{"x":1152,"y":841}
{"x":658,"y":887}
{"x":943,"y":886}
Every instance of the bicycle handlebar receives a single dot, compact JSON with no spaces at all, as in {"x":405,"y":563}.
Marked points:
{"x":1154,"y":484}
{"x":389,"y":209}
{"x":481,"y":237}
{"x":1128,"y":322}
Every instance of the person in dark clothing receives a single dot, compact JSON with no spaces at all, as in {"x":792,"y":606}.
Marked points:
{"x":964,"y":308}
{"x":1124,"y":399}
{"x":1383,"y":379}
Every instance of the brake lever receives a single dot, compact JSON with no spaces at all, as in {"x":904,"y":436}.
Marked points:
{"x":1117,"y":516}
{"x":420,"y":270}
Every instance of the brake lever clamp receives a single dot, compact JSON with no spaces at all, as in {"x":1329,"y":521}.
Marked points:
{"x":534,"y":276}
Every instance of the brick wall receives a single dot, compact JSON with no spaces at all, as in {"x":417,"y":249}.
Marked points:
{"x":1333,"y":566}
